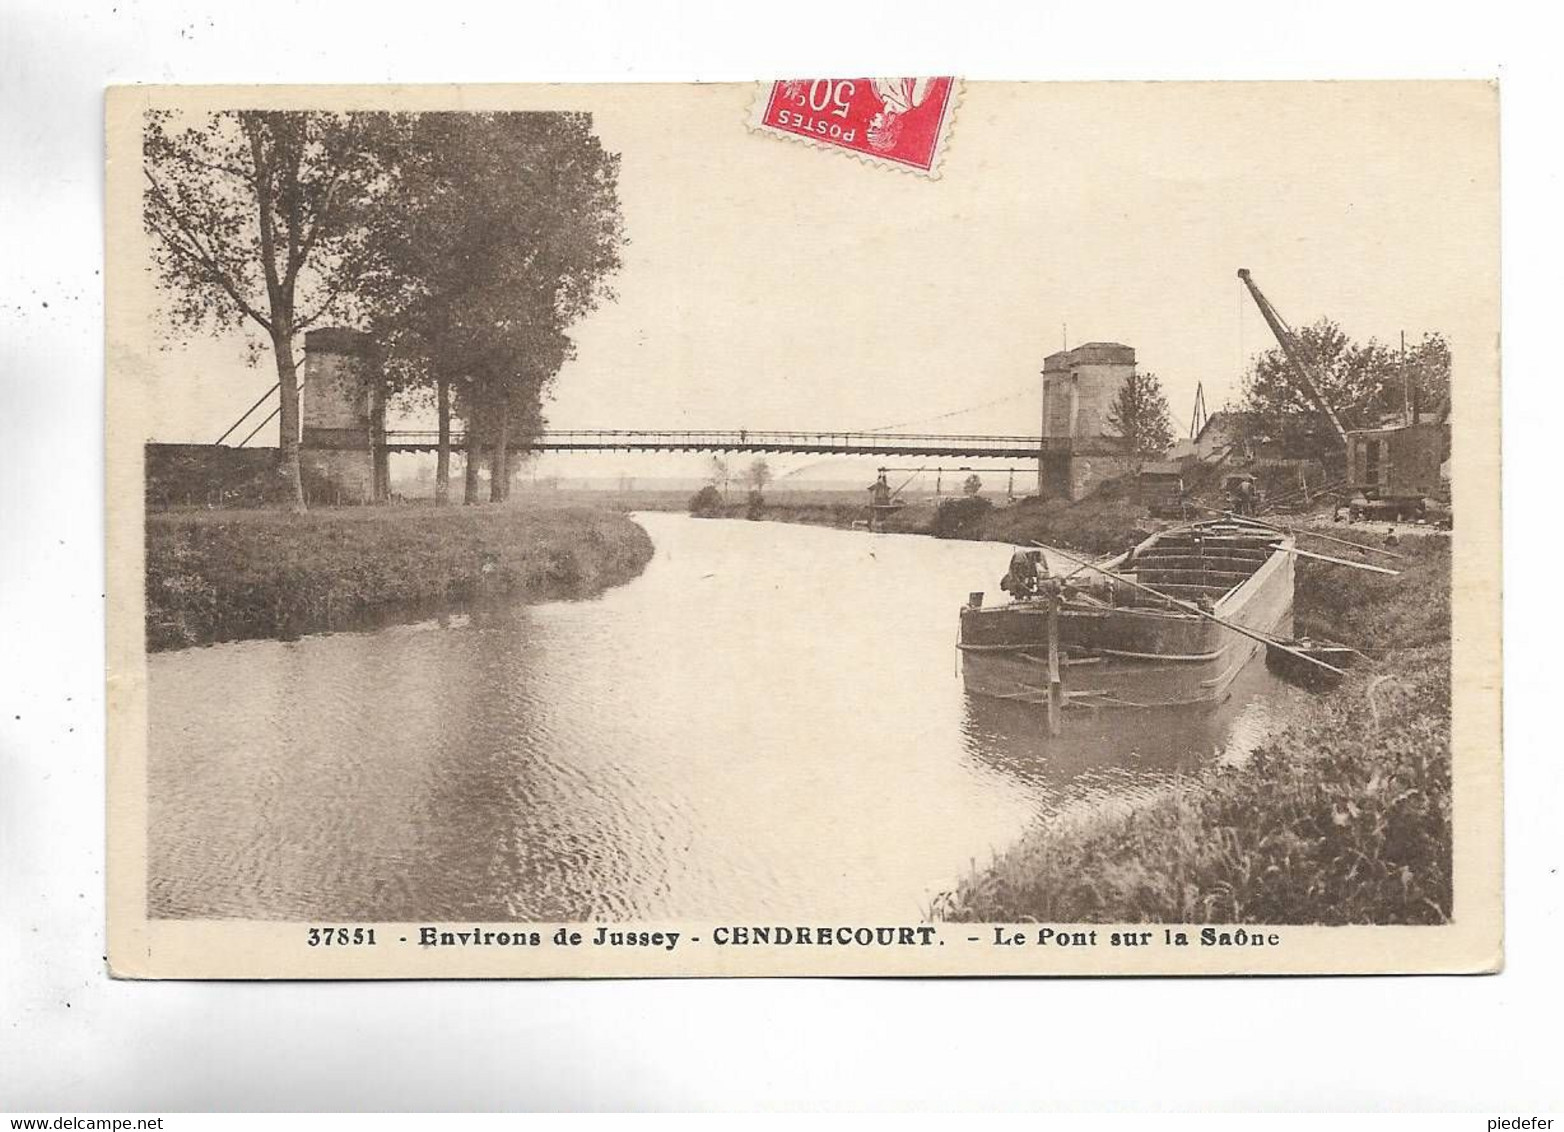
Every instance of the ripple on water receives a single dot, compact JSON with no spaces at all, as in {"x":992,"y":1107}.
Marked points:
{"x":767,"y":723}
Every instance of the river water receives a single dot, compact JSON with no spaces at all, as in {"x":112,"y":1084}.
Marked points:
{"x":768,"y":722}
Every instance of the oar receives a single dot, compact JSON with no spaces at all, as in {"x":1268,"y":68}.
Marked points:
{"x":1344,"y":562}
{"x":1195,"y":609}
{"x":1077,"y":570}
{"x":1303,"y":531}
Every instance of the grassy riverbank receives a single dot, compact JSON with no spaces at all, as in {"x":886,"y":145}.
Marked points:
{"x":824,"y":511}
{"x":231,"y":575}
{"x":1342,"y":817}
{"x":1101,"y":524}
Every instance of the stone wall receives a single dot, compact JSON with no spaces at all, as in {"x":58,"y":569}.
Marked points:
{"x":342,"y":421}
{"x":1053,"y":477}
{"x":1088,"y":472}
{"x":211,"y":475}
{"x":214,"y":475}
{"x":336,"y":477}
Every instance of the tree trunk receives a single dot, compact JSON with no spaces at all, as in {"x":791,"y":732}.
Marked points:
{"x":288,"y":418}
{"x":474,"y":454}
{"x":499,"y":466}
{"x":470,"y":482}
{"x":442,"y":460}
{"x":380,"y":458}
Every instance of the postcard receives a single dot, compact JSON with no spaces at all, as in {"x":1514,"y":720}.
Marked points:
{"x":823,"y":526}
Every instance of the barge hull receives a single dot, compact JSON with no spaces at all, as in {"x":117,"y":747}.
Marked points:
{"x":1127,"y":657}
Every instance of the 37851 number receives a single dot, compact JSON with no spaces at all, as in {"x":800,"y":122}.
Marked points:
{"x":342,"y":937}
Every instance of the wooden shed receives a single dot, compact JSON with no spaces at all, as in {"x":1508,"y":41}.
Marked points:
{"x":1162,"y":487}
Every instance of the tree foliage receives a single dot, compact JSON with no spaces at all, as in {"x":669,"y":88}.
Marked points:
{"x":1138,"y":415}
{"x":468,"y":244}
{"x":1361,"y":382}
{"x":758,"y":475}
{"x":972,"y":485}
{"x":706,"y":502}
{"x":721,"y":474}
{"x":961,"y":517}
{"x":500,"y":233}
{"x":257,"y":220}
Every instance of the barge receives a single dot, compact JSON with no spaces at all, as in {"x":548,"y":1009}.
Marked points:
{"x":1168,"y":623}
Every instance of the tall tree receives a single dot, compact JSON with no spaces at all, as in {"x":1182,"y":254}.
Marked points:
{"x":721,"y":474}
{"x":499,"y":234}
{"x":442,"y":460}
{"x":517,"y":410}
{"x":1362,"y":383}
{"x":1138,"y":415}
{"x":758,"y":475}
{"x":1418,"y":379}
{"x":256,"y":221}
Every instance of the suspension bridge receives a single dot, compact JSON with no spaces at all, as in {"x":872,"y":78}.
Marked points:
{"x":823,"y":442}
{"x":828,"y":443}
{"x":345,"y":438}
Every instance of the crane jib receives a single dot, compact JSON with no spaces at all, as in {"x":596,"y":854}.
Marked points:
{"x":1289,"y":344}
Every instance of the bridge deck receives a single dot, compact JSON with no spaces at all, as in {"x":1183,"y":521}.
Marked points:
{"x":743,"y":440}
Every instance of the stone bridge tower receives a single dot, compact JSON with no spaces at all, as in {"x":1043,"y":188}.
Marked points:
{"x":1079,"y":386}
{"x":344,"y":420}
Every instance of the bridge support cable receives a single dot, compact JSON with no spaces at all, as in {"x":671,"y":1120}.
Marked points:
{"x":263,"y":424}
{"x":261,"y":400}
{"x":959,"y":412}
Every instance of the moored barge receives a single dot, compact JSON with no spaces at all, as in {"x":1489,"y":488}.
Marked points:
{"x":1119,"y":645}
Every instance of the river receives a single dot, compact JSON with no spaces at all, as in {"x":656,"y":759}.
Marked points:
{"x":767,"y":723}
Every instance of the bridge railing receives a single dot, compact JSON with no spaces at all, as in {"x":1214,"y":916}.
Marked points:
{"x":742,"y":439}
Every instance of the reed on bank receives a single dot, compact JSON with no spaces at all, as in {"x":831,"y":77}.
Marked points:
{"x":231,"y":575}
{"x":1343,"y":817}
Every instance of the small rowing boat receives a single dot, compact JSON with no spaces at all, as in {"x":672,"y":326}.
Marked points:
{"x":1287,"y":660}
{"x":1170,"y":622}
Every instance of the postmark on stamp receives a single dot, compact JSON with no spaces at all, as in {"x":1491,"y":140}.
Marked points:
{"x":899,"y":122}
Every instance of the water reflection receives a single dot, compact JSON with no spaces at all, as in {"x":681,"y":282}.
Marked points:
{"x":1121,"y":752}
{"x":1014,"y":736}
{"x":767,"y":723}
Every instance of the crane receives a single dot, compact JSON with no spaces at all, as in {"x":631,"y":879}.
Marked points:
{"x":1390,"y":472}
{"x":1294,"y":353}
{"x":1198,"y":418}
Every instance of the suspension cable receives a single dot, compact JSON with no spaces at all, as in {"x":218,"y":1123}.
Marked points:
{"x":260,"y":426}
{"x":258,"y":403}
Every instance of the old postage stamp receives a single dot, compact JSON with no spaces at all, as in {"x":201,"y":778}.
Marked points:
{"x":900,"y":122}
{"x":712,"y":559}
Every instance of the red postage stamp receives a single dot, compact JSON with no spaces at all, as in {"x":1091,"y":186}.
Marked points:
{"x":901,"y":122}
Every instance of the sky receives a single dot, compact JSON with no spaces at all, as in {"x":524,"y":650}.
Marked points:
{"x":772,"y":285}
